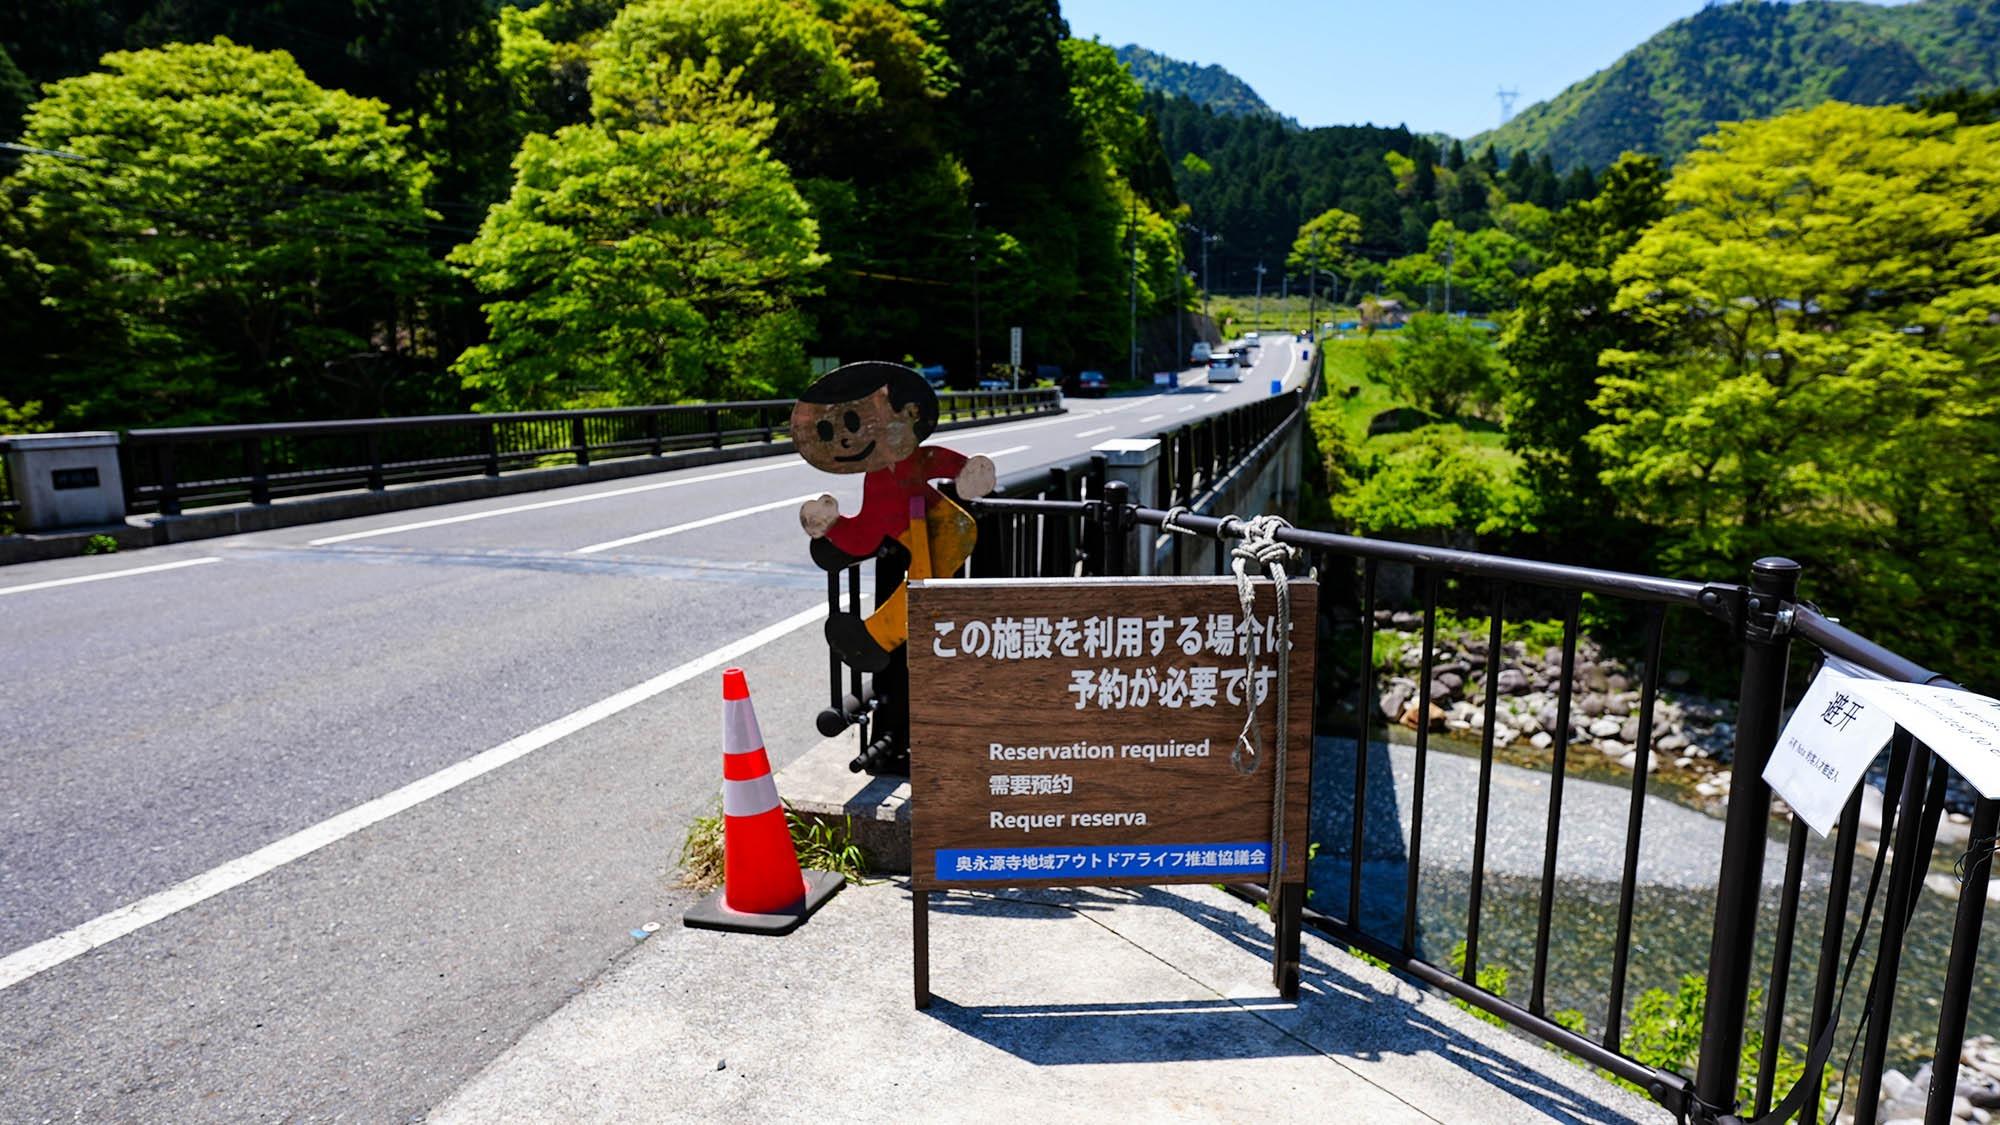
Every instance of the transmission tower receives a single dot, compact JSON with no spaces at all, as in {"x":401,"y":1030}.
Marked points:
{"x":1506,"y":97}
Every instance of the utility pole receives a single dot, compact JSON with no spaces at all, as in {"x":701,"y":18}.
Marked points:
{"x":1312,"y":293}
{"x":974,"y":238}
{"x":1132,"y":315}
{"x":1258,"y":316}
{"x":1180,"y":304}
{"x":1450,"y":255}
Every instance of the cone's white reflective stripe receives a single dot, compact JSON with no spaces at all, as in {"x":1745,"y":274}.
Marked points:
{"x":748,"y":798}
{"x":739,"y":727}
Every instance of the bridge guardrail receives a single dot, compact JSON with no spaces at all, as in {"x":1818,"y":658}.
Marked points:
{"x":167,"y":470}
{"x":1377,"y":912}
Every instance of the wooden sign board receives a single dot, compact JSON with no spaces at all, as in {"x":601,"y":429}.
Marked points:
{"x":1079,"y":732}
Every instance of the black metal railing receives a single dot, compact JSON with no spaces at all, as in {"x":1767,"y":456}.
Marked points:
{"x":167,"y":470}
{"x":1060,"y":529}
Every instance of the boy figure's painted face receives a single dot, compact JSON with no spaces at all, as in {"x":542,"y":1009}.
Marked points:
{"x":855,"y":437}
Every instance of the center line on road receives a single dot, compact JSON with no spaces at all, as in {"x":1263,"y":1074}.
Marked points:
{"x":1010,"y":449}
{"x":106,"y":928}
{"x":710,"y":521}
{"x":787,"y":463}
{"x":1098,"y":430}
{"x":1152,"y":417}
{"x":54,"y":582}
{"x":1185,"y":409}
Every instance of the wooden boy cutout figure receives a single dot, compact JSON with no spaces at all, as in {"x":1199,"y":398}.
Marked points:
{"x":871,"y":418}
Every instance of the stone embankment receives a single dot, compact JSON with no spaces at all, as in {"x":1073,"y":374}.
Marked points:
{"x":1693,"y":736}
{"x":1690,"y":733}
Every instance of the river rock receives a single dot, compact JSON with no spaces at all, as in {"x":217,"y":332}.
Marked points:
{"x":1629,"y":729}
{"x":1677,"y":677}
{"x":1546,"y":717}
{"x":1591,"y":704}
{"x":1404,"y":619}
{"x":1541,"y":740}
{"x":1452,"y":681}
{"x":1604,"y":728}
{"x":1409,"y":716}
{"x":1393,"y":701}
{"x":1511,"y":681}
{"x":1672,"y":742}
{"x":1618,"y":683}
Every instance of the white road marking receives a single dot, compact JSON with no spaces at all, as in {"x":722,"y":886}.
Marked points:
{"x":1098,"y":430}
{"x":54,"y":582}
{"x":709,"y":521}
{"x":1188,"y":407}
{"x":104,"y":929}
{"x":1152,"y":418}
{"x":1012,"y":449}
{"x":541,"y":504}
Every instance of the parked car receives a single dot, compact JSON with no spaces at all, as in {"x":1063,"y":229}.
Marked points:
{"x":1089,"y":384}
{"x":995,"y":385}
{"x":1049,"y":373}
{"x":934,"y":375}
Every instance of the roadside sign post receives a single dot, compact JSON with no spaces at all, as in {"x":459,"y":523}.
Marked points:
{"x":1084,"y":733}
{"x":1014,"y":353}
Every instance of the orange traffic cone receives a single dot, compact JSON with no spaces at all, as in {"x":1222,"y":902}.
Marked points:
{"x":763,"y":890}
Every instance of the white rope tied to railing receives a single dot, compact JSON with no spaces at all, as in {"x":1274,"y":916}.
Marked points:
{"x":1260,"y":548}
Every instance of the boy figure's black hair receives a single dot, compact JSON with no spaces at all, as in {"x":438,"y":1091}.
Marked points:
{"x":859,"y":380}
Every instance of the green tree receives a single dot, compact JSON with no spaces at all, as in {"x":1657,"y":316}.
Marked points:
{"x":1821,"y":378}
{"x":654,"y":264}
{"x":1436,"y":483}
{"x":1324,"y":240}
{"x":1563,"y":322}
{"x":1441,"y":364}
{"x":253,"y":240}
{"x":738,"y":61}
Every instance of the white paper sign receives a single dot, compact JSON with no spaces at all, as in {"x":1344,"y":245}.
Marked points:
{"x":1961,"y":727}
{"x":1825,"y":749}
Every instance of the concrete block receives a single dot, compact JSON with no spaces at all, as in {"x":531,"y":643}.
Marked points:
{"x":65,"y":480}
{"x":819,"y":785}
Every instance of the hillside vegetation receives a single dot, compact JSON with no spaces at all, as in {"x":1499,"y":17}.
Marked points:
{"x":1738,"y":61}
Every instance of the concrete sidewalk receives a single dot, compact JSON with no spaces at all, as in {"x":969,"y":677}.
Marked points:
{"x":1113,"y":1004}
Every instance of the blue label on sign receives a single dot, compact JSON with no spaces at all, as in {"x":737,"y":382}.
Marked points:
{"x":1104,"y":860}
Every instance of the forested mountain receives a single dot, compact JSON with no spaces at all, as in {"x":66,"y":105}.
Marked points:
{"x":1750,"y":59}
{"x":1210,"y":86}
{"x":1254,"y":181}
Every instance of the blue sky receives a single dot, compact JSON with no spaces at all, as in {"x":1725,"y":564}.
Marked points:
{"x":1433,"y":66}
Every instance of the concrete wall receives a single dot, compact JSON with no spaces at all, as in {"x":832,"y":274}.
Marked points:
{"x":1267,"y":484}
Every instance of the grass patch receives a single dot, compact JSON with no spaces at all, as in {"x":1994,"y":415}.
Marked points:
{"x":820,"y":846}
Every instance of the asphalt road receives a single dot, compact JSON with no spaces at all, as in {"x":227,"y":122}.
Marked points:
{"x":315,"y":823}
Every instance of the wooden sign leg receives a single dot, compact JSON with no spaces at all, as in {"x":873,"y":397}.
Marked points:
{"x":1287,"y":910}
{"x":920,"y":943}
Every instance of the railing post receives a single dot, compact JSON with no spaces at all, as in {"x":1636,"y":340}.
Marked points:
{"x":170,"y":492}
{"x":1761,"y":702}
{"x":253,"y":461}
{"x":374,"y":443}
{"x":765,"y":418}
{"x":1117,"y":498}
{"x":492,"y":440}
{"x":579,"y":443}
{"x":653,"y":430}
{"x":714,"y":428}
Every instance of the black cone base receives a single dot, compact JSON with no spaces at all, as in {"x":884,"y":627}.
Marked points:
{"x":712,"y":914}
